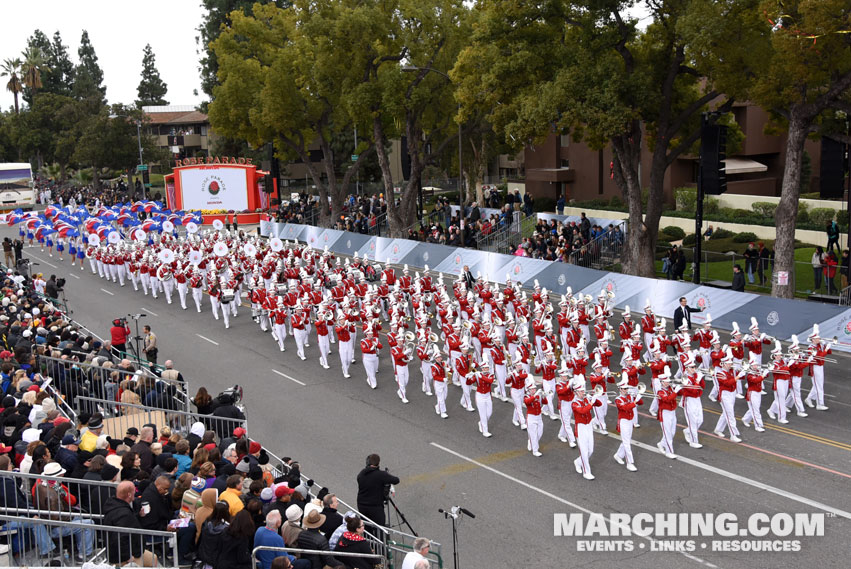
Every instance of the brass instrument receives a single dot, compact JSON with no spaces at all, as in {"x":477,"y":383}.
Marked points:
{"x":432,"y":338}
{"x":410,"y":337}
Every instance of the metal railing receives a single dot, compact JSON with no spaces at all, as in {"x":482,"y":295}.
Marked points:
{"x":88,"y":496}
{"x":845,"y":296}
{"x":41,"y":542}
{"x":505,"y":236}
{"x":133,"y":415}
{"x":314,"y":552}
{"x":603,"y":252}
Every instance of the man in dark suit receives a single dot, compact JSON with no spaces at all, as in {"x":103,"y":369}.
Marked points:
{"x":683,"y":312}
{"x":468,"y":277}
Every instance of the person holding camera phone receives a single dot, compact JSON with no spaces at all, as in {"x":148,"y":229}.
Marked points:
{"x":373,"y":488}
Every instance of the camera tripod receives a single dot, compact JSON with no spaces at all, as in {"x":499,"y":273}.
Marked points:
{"x":388,"y":501}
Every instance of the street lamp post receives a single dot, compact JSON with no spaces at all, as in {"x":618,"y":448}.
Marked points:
{"x":411,"y":68}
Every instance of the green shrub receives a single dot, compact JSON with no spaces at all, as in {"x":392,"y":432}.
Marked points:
{"x":810,"y":196}
{"x":689,"y":240}
{"x":803,"y":213}
{"x":744,"y":237}
{"x":617,"y":203}
{"x":686,"y":199}
{"x":544,"y":204}
{"x":675,"y":232}
{"x":664,"y":245}
{"x":819,"y":216}
{"x":764,"y":209}
{"x":711,"y":205}
{"x":720,"y":233}
{"x":743,"y":214}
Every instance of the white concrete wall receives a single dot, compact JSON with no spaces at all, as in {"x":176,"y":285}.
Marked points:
{"x":741,"y":201}
{"x":687,"y":225}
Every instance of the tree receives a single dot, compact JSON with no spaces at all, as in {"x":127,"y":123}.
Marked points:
{"x":152,"y":88}
{"x":88,"y":76}
{"x":806,"y":84}
{"x":12,"y":69}
{"x":283,"y":79}
{"x":59,"y":78}
{"x":585,"y":67}
{"x":33,"y":65}
{"x":38,"y":46}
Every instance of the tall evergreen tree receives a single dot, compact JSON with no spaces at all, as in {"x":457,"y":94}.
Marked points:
{"x":59,"y":78}
{"x":88,"y":76}
{"x":152,"y":88}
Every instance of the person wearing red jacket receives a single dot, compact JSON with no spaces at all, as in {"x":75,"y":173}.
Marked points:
{"x":818,"y":350}
{"x":516,"y":380}
{"x":582,"y":407}
{"x":463,"y":368}
{"x":548,"y":369}
{"x":727,"y":380}
{"x":196,"y":283}
{"x":119,"y":333}
{"x":534,"y":407}
{"x":797,"y":367}
{"x":300,"y":321}
{"x":626,"y":403}
{"x":438,"y":377}
{"x":497,"y":357}
{"x":693,"y":386}
{"x":667,"y":416}
{"x":370,"y":346}
{"x":484,"y":381}
{"x":324,"y":321}
{"x":425,"y":365}
{"x":753,"y":395}
{"x":599,"y":379}
{"x":400,"y":370}
{"x":564,"y":393}
{"x":780,"y":374}
{"x":279,"y":323}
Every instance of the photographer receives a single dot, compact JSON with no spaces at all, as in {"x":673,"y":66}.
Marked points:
{"x":373,"y":489}
{"x":119,"y":333}
{"x":54,"y":287}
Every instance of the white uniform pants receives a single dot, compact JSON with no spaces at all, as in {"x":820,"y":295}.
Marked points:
{"x":425,"y":368}
{"x":693,"y":411}
{"x":817,"y":392}
{"x":453,"y":357}
{"x":704,"y":357}
{"x":466,"y":394}
{"x":728,"y":414}
{"x":794,"y":395}
{"x":669,"y":427}
{"x":154,"y":283}
{"x":197,"y":296}
{"x":370,"y":365}
{"x":440,"y":393}
{"x":93,"y":264}
{"x":534,"y":429}
{"x":402,"y":376}
{"x":300,"y":340}
{"x":485,"y":405}
{"x":585,"y":440}
{"x":168,"y":287}
{"x":133,"y":280}
{"x":754,"y":412}
{"x":549,"y":386}
{"x":625,"y":450}
{"x":143,"y":280}
{"x":346,"y":354}
{"x":280,"y":332}
{"x":324,"y":348}
{"x":648,"y":339}
{"x":778,"y":406}
{"x":600,"y":413}
{"x":585,"y":332}
{"x":517,"y":399}
{"x":181,"y":292}
{"x":655,"y":385}
{"x":500,"y":373}
{"x":565,"y":413}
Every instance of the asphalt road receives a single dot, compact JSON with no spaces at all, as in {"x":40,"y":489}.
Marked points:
{"x":330,"y":424}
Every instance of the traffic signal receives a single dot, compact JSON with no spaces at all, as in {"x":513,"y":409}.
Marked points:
{"x":713,"y":152}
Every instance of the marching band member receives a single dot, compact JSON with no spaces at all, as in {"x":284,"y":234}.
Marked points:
{"x":547,"y":369}
{"x":818,"y":350}
{"x":797,"y":367}
{"x":464,"y":366}
{"x":438,"y":376}
{"x":370,"y":346}
{"x":484,"y":382}
{"x":343,"y":330}
{"x":727,"y":381}
{"x":324,"y":317}
{"x":753,"y":395}
{"x":182,"y":286}
{"x":598,"y":379}
{"x":401,"y":357}
{"x":564,"y":392}
{"x":584,"y":432}
{"x":625,"y":330}
{"x":166,"y":278}
{"x":692,"y":389}
{"x":424,"y":355}
{"x":704,"y":338}
{"x":603,"y":354}
{"x":534,"y":405}
{"x":648,"y":325}
{"x":215,"y":293}
{"x":737,"y":349}
{"x":715,"y":356}
{"x":524,"y":353}
{"x":279,"y":323}
{"x":682,"y":344}
{"x":498,"y":357}
{"x":626,"y":403}
{"x":667,"y":416}
{"x":754,"y":342}
{"x":780,"y":374}
{"x":632,"y":371}
{"x":517,"y":382}
{"x":300,"y":320}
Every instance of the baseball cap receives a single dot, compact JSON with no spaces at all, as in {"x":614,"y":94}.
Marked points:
{"x":283,"y":490}
{"x":69,"y":440}
{"x":133,"y":431}
{"x":239,"y":432}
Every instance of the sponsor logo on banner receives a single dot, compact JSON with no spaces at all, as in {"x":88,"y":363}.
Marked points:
{"x":847,"y":329}
{"x":312,"y":239}
{"x":609,"y":285}
{"x":702,"y":301}
{"x":325,"y":238}
{"x":518,"y":268}
{"x":425,"y":256}
{"x":395,"y":249}
{"x":372,"y":246}
{"x":562,"y":279}
{"x":773,"y":318}
{"x":457,"y":259}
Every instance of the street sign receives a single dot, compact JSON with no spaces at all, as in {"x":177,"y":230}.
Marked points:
{"x":141,"y":167}
{"x":354,"y":157}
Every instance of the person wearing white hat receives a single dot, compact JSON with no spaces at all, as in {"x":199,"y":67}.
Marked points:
{"x":667,"y":415}
{"x":780,"y":373}
{"x":369,"y":349}
{"x":215,"y":293}
{"x":484,"y":382}
{"x":300,"y":321}
{"x":565,"y":395}
{"x":516,"y":381}
{"x":547,"y":369}
{"x":464,"y":368}
{"x":648,"y":324}
{"x":798,"y":365}
{"x":754,"y":342}
{"x":401,"y":357}
{"x":727,"y":381}
{"x":626,"y":403}
{"x":344,"y":331}
{"x":715,"y":356}
{"x":818,"y":350}
{"x":535,"y":402}
{"x":737,"y":352}
{"x":693,"y":386}
{"x":754,"y":377}
{"x":704,"y":338}
{"x":582,"y":417}
{"x":196,"y":283}
{"x":598,"y":379}
{"x":500,"y":370}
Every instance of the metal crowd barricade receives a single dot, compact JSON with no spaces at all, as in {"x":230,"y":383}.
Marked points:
{"x":336,"y":554}
{"x":71,"y":379}
{"x":89,"y":496}
{"x":131,"y":415}
{"x":39,"y":542}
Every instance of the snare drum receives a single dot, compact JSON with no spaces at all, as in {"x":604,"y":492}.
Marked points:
{"x":228,"y":295}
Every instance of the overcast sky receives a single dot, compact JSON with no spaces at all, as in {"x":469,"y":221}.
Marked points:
{"x":118,"y":30}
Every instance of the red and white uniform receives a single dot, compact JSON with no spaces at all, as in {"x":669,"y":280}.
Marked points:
{"x":582,"y":417}
{"x":535,"y":426}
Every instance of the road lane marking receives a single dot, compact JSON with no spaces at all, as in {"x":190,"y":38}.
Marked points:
{"x":75,"y":276}
{"x":107,"y":292}
{"x":49,"y":264}
{"x":149,"y":311}
{"x":556,"y":498}
{"x":209,"y":340}
{"x":288,"y":377}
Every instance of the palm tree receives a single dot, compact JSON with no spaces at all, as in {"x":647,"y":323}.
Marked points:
{"x":12,"y":68}
{"x":34,"y":64}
